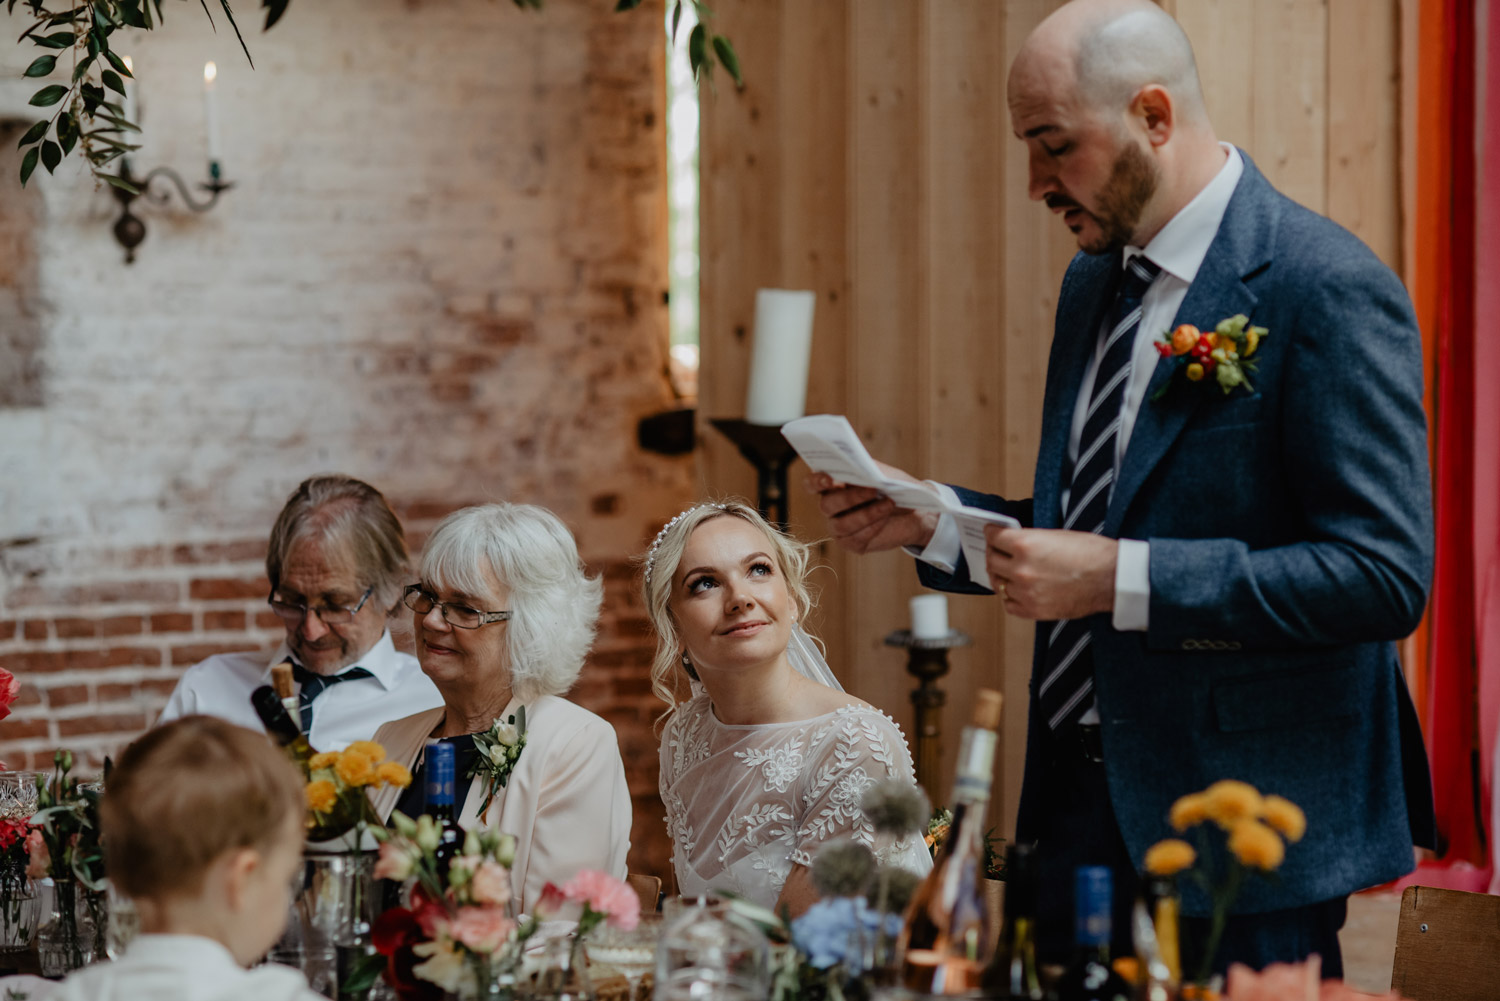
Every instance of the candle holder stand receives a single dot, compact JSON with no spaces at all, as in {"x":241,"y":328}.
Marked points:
{"x":129,"y":229}
{"x":771,"y":455}
{"x":927,"y":661}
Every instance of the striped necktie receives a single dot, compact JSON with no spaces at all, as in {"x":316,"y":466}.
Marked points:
{"x":1067,"y":687}
{"x":311,"y":685}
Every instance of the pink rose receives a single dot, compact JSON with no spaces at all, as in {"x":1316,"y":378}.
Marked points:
{"x":491,"y":884}
{"x":39,"y":859}
{"x":394,"y":862}
{"x":481,"y":929}
{"x":607,"y":895}
{"x":10,"y":687}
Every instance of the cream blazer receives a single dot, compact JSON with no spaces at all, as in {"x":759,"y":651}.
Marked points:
{"x":566,"y":802}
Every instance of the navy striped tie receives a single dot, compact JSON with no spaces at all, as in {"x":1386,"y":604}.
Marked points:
{"x":1067,"y":686}
{"x":312,"y":685}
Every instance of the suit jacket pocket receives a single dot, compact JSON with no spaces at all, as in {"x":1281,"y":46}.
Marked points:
{"x":1287,"y":699}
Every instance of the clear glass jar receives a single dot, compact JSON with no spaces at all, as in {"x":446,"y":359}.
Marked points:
{"x":707,"y":953}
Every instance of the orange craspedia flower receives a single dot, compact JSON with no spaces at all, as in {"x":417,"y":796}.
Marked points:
{"x":1230,"y":801}
{"x":323,"y":759}
{"x":1183,"y":339}
{"x":1195,"y":372}
{"x":321,"y":796}
{"x":369,"y":749}
{"x":393,"y":773}
{"x":1256,"y":845}
{"x":354,"y":768}
{"x":1284,"y":817}
{"x":1189,"y":811}
{"x":1169,"y":857}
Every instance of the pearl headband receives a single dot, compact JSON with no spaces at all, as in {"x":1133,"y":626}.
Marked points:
{"x":656,"y":543}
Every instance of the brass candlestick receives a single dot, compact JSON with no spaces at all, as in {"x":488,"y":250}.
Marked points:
{"x":927,"y":661}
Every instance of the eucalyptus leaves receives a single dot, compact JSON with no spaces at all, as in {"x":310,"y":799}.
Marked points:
{"x":88,"y":110}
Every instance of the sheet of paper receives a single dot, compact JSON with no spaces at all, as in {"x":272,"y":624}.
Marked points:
{"x":828,"y":444}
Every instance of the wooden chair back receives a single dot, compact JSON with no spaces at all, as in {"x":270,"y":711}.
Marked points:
{"x":648,"y":888}
{"x":1447,"y":946}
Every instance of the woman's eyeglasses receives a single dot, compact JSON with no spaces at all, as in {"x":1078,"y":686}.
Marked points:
{"x":454,"y":613}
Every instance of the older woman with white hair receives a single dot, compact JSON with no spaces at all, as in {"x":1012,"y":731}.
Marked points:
{"x":504,"y":616}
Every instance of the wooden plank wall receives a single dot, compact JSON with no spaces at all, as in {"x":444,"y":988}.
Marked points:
{"x":870,"y":158}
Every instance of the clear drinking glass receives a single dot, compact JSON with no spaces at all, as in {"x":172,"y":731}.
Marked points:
{"x":706,"y":953}
{"x":18,"y":794}
{"x":632,"y":953}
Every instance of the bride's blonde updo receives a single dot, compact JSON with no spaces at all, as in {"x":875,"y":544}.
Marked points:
{"x":659,"y":567}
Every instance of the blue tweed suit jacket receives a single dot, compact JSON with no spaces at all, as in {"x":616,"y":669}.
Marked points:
{"x":1291,"y":543}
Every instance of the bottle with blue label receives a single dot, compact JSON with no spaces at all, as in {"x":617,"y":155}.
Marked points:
{"x":1090,"y":976}
{"x":440,"y":766}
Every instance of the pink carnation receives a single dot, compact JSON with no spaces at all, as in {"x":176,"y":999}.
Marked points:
{"x":607,"y":895}
{"x":10,"y":687}
{"x":491,"y":884}
{"x":394,"y":863}
{"x":39,"y":860}
{"x":481,"y":929}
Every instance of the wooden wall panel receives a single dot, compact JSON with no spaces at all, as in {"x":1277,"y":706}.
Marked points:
{"x":871,"y":158}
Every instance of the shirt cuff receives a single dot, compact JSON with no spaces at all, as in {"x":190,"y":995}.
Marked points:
{"x":945,"y":547}
{"x":1133,"y":586}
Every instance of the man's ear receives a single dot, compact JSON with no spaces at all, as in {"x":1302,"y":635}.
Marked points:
{"x":1154,"y":111}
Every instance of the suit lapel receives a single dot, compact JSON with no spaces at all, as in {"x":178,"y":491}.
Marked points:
{"x":1241,"y":248}
{"x":1087,"y":291}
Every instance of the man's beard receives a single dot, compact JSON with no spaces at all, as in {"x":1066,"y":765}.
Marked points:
{"x":1132,"y":183}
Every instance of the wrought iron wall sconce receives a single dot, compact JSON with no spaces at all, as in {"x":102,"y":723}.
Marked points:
{"x":129,"y":229}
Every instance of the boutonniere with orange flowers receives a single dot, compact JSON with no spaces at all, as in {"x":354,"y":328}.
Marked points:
{"x":1223,"y":353}
{"x":1238,"y":831}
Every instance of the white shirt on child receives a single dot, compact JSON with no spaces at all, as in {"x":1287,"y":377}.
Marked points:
{"x":182,"y":968}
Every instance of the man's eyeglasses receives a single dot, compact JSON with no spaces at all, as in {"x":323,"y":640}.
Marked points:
{"x":292,"y":612}
{"x":453,"y":613}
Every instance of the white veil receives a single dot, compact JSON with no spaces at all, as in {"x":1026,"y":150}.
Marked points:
{"x":807,"y":660}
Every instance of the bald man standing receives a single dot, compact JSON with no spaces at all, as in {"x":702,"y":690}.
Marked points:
{"x":1216,"y":577}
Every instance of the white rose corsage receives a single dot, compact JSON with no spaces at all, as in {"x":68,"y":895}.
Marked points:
{"x":499,"y":749}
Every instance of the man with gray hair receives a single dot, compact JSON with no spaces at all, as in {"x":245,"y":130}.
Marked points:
{"x":1217,"y":565}
{"x":337,"y":561}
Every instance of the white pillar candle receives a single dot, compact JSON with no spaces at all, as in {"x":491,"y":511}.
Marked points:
{"x":929,"y":616}
{"x":780,"y":356}
{"x":129,"y":106}
{"x":211,"y":115}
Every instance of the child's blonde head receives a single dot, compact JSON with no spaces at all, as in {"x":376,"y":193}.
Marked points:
{"x":185,"y":794}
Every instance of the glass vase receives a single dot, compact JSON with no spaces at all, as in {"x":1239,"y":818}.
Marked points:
{"x":67,"y":941}
{"x":333,"y":913}
{"x":564,"y":975}
{"x":20,"y":908}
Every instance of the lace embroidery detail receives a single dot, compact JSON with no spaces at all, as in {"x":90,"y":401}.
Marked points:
{"x":745,"y":804}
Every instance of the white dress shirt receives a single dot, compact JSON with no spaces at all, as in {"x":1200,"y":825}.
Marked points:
{"x":342,"y":713}
{"x":566,"y":802}
{"x":1178,"y":249}
{"x":182,"y":968}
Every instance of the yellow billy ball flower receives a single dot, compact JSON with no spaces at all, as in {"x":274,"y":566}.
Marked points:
{"x":1285,"y":816}
{"x":321,"y":796}
{"x":1230,"y":801}
{"x":1195,"y":372}
{"x":369,"y":749}
{"x":1189,"y":811}
{"x":1256,"y":845}
{"x":354,"y":768}
{"x":323,"y":759}
{"x":1169,"y":857}
{"x":393,"y":773}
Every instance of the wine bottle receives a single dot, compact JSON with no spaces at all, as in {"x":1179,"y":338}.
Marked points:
{"x":948,"y":938}
{"x":281,"y":726}
{"x":440,"y":766}
{"x":1090,"y":977}
{"x":1012,"y":973}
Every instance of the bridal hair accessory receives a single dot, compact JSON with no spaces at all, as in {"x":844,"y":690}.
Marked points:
{"x":656,"y":543}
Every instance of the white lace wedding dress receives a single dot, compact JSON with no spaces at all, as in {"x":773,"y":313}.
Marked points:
{"x":746,"y":803}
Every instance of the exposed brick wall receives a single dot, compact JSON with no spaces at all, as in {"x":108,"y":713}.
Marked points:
{"x":441,"y":270}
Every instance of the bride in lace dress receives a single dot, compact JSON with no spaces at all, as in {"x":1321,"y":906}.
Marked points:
{"x":763,"y":757}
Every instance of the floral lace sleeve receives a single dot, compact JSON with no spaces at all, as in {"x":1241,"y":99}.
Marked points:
{"x":846,"y":755}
